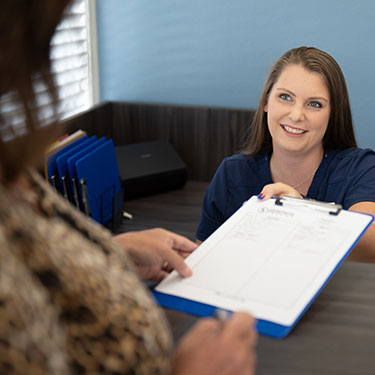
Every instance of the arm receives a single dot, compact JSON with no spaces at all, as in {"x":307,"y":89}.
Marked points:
{"x":215,"y":347}
{"x":155,"y":250}
{"x":214,"y":204}
{"x":365,"y":249}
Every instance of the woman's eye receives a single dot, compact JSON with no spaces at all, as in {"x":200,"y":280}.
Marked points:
{"x":285,"y":97}
{"x":315,"y":104}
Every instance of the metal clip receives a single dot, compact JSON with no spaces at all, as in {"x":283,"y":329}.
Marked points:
{"x":86,"y":206}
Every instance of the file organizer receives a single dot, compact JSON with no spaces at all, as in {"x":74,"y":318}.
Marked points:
{"x":84,"y":170}
{"x":270,"y":258}
{"x":62,"y":166}
{"x":51,"y":162}
{"x":99,"y":181}
{"x":73,"y":181}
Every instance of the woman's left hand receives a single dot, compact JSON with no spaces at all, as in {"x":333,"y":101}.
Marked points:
{"x":154,"y":252}
{"x":278,"y":189}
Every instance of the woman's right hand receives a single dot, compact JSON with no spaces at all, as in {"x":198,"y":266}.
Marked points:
{"x":278,"y":189}
{"x":214,"y":347}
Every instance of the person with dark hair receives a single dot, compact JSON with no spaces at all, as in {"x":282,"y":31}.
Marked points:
{"x":72,"y":299}
{"x":301,"y":144}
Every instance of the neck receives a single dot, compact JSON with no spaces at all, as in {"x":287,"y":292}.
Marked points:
{"x":296,"y":171}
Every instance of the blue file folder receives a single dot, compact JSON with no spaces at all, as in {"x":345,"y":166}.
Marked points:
{"x":71,"y":163}
{"x":51,"y":164}
{"x":99,"y":181}
{"x":62,"y":166}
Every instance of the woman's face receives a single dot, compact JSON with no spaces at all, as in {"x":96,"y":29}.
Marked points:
{"x":298,"y":111}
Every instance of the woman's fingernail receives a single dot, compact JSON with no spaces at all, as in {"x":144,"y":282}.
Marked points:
{"x":187,"y":272}
{"x":261,"y":196}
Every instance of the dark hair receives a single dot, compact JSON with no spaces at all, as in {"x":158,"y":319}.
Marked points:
{"x":340,"y":132}
{"x":26,"y":30}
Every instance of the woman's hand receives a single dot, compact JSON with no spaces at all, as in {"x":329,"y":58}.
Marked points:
{"x":216,"y":347}
{"x":278,"y":189}
{"x":155,"y":251}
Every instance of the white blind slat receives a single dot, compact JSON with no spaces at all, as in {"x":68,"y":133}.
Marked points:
{"x":70,"y":60}
{"x":70,"y":64}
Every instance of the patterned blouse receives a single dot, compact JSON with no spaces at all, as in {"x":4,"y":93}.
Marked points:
{"x":70,"y":302}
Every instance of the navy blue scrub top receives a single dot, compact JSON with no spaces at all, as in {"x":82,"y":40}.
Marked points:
{"x":345,"y":177}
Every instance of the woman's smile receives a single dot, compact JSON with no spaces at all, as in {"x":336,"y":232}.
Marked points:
{"x":290,"y":130}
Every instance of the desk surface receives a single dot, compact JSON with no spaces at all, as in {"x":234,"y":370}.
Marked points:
{"x":335,"y":336}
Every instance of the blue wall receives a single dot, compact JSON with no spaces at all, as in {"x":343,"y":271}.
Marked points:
{"x":218,"y":52}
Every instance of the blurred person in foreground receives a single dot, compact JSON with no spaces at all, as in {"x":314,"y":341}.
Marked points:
{"x":71,"y":295}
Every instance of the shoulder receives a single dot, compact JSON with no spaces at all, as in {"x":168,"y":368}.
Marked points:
{"x":236,"y":169}
{"x":352,"y":155}
{"x":351,"y":164}
{"x":244,"y":159}
{"x":239,"y":162}
{"x":72,"y":259}
{"x":352,"y":158}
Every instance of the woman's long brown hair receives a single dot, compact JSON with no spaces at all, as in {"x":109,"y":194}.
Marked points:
{"x":26,"y":30}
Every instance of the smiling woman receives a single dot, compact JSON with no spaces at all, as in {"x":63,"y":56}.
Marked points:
{"x":301,"y":143}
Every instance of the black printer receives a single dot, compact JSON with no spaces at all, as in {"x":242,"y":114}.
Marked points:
{"x":150,"y":167}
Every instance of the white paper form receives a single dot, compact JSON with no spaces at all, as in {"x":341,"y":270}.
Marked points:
{"x":267,"y":259}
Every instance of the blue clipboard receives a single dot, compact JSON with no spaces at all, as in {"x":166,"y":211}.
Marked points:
{"x":173,"y":291}
{"x":99,"y":181}
{"x":62,"y":166}
{"x":71,"y":163}
{"x":51,"y":165}
{"x":263,"y":326}
{"x":204,"y":311}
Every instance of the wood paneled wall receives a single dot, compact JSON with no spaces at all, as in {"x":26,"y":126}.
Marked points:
{"x":202,"y":136}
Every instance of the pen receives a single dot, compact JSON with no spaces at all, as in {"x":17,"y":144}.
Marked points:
{"x":222,"y":315}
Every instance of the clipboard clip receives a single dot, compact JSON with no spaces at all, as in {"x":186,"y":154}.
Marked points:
{"x":332,"y":208}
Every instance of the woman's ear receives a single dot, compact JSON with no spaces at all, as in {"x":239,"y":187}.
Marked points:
{"x":265,"y":108}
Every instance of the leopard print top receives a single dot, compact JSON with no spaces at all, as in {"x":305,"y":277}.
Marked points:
{"x":70,"y":302}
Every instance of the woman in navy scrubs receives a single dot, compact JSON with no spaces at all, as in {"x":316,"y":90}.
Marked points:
{"x":301,"y":144}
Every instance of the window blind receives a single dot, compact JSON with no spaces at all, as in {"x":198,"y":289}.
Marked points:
{"x":71,"y":67}
{"x":70,"y":60}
